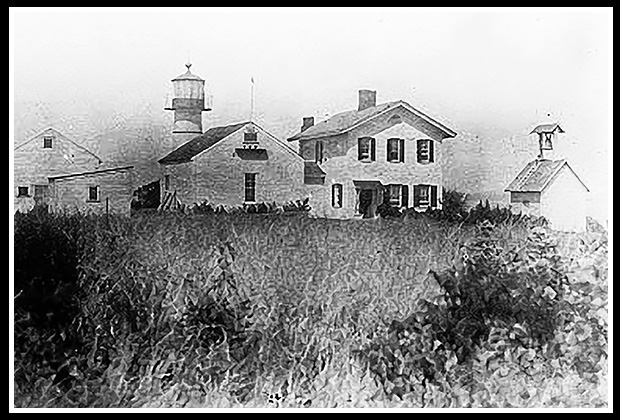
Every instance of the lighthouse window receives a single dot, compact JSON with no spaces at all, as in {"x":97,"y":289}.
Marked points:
{"x":47,"y":142}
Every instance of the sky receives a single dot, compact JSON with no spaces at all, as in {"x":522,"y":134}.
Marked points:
{"x":486,"y":72}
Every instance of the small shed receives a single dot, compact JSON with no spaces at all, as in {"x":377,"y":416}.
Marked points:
{"x":552,"y":189}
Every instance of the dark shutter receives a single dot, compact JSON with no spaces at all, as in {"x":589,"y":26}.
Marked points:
{"x":359,"y":148}
{"x":386,"y":194}
{"x":416,"y":194}
{"x":419,"y":150}
{"x":404,"y":195}
{"x":434,"y":196}
{"x":372,"y":149}
{"x":431,"y":151}
{"x":401,"y":157}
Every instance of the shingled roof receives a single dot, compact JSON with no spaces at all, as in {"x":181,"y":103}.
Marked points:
{"x":537,"y":174}
{"x":187,"y":151}
{"x":345,"y":121}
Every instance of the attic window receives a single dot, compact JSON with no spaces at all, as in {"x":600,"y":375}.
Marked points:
{"x":47,"y":142}
{"x":249,"y":137}
{"x":395,"y":119}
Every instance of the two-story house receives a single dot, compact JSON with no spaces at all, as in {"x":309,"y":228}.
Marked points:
{"x":379,"y":153}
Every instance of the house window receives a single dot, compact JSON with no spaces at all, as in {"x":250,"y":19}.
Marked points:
{"x":396,"y":195}
{"x":425,"y":196}
{"x":396,"y":150}
{"x":250,"y":188}
{"x":22,"y":191}
{"x":318,"y":152}
{"x":426,"y":151}
{"x":337,"y":195}
{"x":93,"y":193}
{"x":166,"y":182}
{"x":366,"y":149}
{"x":47,"y":142}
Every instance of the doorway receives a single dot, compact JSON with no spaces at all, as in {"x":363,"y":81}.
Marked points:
{"x":365,"y":207}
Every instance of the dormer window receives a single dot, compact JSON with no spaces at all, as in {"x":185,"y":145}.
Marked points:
{"x":47,"y":142}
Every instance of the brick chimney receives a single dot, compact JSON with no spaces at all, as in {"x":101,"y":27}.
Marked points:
{"x":367,"y":99}
{"x":307,"y":123}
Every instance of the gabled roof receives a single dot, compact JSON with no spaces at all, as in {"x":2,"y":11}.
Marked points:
{"x":198,"y":144}
{"x":58,"y":134}
{"x":348,"y":120}
{"x":547,"y":128}
{"x":537,"y":175}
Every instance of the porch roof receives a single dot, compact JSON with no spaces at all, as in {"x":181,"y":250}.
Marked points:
{"x":367,"y":184}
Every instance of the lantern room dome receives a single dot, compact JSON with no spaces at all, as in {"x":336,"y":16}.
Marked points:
{"x":188,"y":75}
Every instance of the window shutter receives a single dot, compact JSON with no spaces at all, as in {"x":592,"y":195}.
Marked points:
{"x":416,"y":195}
{"x":386,"y":194}
{"x":372,"y":149}
{"x":401,"y":151}
{"x":431,"y":151}
{"x":419,"y":150}
{"x":404,"y":190}
{"x":359,"y":149}
{"x":433,"y":196}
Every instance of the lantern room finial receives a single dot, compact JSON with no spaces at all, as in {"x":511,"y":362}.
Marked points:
{"x":188,"y":65}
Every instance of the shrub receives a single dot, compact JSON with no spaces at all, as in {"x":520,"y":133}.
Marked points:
{"x":491,"y":286}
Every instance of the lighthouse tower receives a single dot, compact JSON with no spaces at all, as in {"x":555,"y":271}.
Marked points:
{"x":188,"y":103}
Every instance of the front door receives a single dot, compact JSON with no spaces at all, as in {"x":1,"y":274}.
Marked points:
{"x":365,"y":207}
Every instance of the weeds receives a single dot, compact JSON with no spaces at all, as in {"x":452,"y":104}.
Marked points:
{"x":242,"y":309}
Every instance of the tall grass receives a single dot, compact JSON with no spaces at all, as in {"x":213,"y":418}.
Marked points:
{"x":229,"y":310}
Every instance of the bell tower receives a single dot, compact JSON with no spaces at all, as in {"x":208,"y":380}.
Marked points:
{"x":548,"y":134}
{"x":188,"y":103}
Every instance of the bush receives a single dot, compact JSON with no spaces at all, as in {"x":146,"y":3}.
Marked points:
{"x":499,"y":300}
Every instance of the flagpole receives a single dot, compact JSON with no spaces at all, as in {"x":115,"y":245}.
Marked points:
{"x":252,"y":99}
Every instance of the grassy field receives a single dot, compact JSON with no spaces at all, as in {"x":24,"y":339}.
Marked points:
{"x":259,"y":310}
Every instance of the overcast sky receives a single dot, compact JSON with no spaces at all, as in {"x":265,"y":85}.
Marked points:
{"x":489,"y":70}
